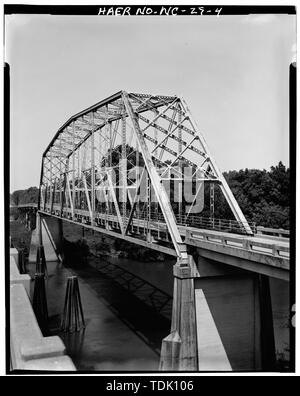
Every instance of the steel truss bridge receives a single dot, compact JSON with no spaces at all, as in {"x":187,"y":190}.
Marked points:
{"x":137,"y":167}
{"x":89,"y":176}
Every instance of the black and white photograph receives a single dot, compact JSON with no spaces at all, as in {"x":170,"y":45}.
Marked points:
{"x":150,"y":190}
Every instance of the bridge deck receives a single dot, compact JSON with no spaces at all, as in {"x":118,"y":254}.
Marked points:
{"x":265,"y":251}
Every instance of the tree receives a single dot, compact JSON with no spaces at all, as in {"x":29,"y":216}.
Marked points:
{"x":264,"y":196}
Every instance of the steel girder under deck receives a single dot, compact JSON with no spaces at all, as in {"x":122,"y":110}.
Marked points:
{"x":91,"y":164}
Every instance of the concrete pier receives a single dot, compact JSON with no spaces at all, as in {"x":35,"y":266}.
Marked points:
{"x":179,"y":349}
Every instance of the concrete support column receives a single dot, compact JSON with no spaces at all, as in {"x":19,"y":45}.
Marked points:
{"x":267,"y":326}
{"x":179,"y":349}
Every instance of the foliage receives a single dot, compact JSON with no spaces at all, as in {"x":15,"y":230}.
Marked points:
{"x":264,"y":196}
{"x":20,"y":197}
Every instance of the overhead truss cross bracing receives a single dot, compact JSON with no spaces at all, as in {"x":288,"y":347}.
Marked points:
{"x":94,"y":168}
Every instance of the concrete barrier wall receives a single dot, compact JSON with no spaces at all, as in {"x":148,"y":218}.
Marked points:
{"x":15,"y":276}
{"x":29,"y":349}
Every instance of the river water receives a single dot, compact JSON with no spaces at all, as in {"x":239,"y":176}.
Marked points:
{"x":127,"y":309}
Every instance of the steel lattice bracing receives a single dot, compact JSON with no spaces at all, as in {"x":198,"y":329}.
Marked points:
{"x":109,"y":167}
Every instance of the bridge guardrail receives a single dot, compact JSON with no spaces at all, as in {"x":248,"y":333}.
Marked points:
{"x":232,"y":226}
{"x":216,"y":224}
{"x":252,"y":245}
{"x":280,"y":232}
{"x":28,"y":205}
{"x":274,"y":249}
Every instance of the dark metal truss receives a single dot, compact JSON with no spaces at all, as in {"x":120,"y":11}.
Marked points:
{"x":155,"y":132}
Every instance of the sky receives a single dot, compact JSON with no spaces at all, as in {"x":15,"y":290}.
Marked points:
{"x":233,"y":71}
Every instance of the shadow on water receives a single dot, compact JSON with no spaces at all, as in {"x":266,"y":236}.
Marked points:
{"x":142,"y":307}
{"x":155,"y":298}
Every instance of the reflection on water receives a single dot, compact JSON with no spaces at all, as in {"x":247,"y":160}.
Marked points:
{"x":157,"y":299}
{"x":126,"y":315}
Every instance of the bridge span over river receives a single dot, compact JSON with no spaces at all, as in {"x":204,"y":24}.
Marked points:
{"x":137,"y":167}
